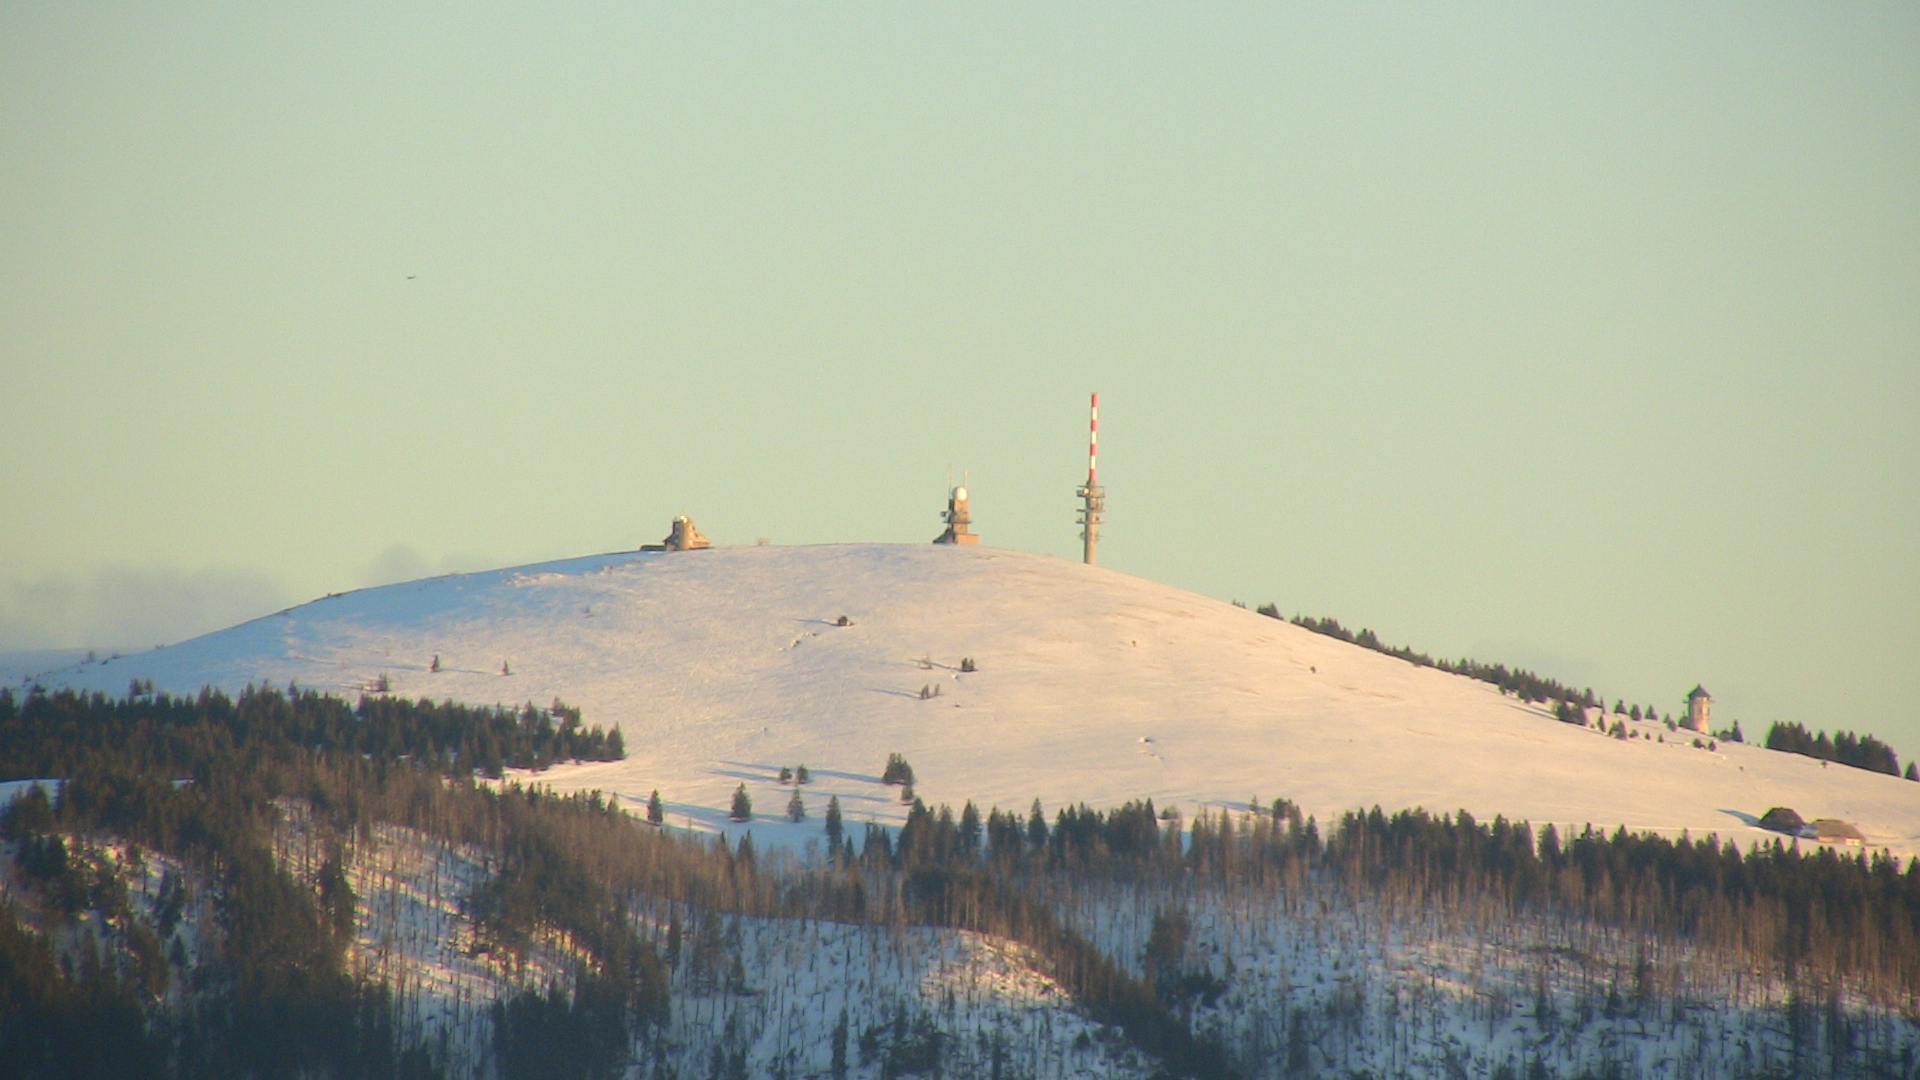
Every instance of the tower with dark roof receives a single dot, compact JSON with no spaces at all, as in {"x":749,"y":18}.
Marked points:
{"x":1699,"y":708}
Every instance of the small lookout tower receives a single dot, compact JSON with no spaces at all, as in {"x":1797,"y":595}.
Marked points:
{"x":958,"y":518}
{"x":1699,"y":710}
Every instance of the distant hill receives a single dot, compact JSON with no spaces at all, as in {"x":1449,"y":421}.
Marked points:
{"x":720,"y":667}
{"x":23,"y":665}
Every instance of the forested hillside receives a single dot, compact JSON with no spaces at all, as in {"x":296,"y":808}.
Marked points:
{"x":285,"y":882}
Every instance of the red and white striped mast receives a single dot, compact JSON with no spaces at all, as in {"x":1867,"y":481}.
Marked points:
{"x":1093,"y":498}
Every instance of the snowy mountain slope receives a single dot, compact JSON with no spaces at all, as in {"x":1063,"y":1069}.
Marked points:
{"x":1290,"y":979}
{"x":21,"y":666}
{"x":797,"y":977}
{"x":722,"y":666}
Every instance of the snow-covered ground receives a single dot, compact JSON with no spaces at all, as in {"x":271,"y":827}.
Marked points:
{"x":1297,"y":981}
{"x":1302,"y":982}
{"x":771,"y":989}
{"x":722,"y":666}
{"x":1310,"y":985}
{"x":24,"y":665}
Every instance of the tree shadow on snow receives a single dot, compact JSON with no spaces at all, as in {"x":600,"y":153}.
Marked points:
{"x":759,"y":773}
{"x":837,"y":774}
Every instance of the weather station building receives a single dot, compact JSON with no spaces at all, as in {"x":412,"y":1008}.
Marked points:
{"x":683,"y":537}
{"x":959,"y":519}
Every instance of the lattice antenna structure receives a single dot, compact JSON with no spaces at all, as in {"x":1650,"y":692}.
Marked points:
{"x":1093,"y":497}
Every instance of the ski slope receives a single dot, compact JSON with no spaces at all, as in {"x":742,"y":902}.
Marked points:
{"x":721,"y":666}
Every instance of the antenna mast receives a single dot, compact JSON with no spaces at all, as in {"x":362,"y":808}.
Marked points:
{"x":1093,"y":497}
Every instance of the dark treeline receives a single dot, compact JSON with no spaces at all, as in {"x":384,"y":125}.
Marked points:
{"x":1817,"y":915}
{"x":200,"y":779}
{"x":57,"y":1023}
{"x":1845,"y":748}
{"x":1517,"y":681}
{"x":271,"y":996}
{"x":56,"y":735}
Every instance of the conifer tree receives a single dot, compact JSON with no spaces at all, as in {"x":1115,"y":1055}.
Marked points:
{"x":742,"y":805}
{"x":656,"y":811}
{"x":336,"y":895}
{"x":1036,"y":828}
{"x":796,"y":810}
{"x":877,"y":846}
{"x":969,"y":829}
{"x":834,"y":826}
{"x":838,"y":1065}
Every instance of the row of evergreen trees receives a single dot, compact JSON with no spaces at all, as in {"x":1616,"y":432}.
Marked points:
{"x":1844,"y":747}
{"x":1816,"y":913}
{"x":57,"y":734}
{"x":1520,"y":682}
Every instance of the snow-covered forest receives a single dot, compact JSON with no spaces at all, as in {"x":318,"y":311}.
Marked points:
{"x":242,"y":886}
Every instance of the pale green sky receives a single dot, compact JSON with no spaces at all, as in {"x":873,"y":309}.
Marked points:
{"x":1581,"y":338}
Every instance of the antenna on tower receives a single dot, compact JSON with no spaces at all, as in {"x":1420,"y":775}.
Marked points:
{"x":958,"y":515}
{"x":1093,"y":497}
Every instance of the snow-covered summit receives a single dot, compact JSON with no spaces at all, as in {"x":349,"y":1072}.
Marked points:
{"x":722,"y":666}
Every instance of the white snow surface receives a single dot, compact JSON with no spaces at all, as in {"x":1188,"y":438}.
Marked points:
{"x":721,"y":666}
{"x":24,"y":665}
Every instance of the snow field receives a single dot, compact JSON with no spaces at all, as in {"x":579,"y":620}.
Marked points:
{"x":721,"y":666}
